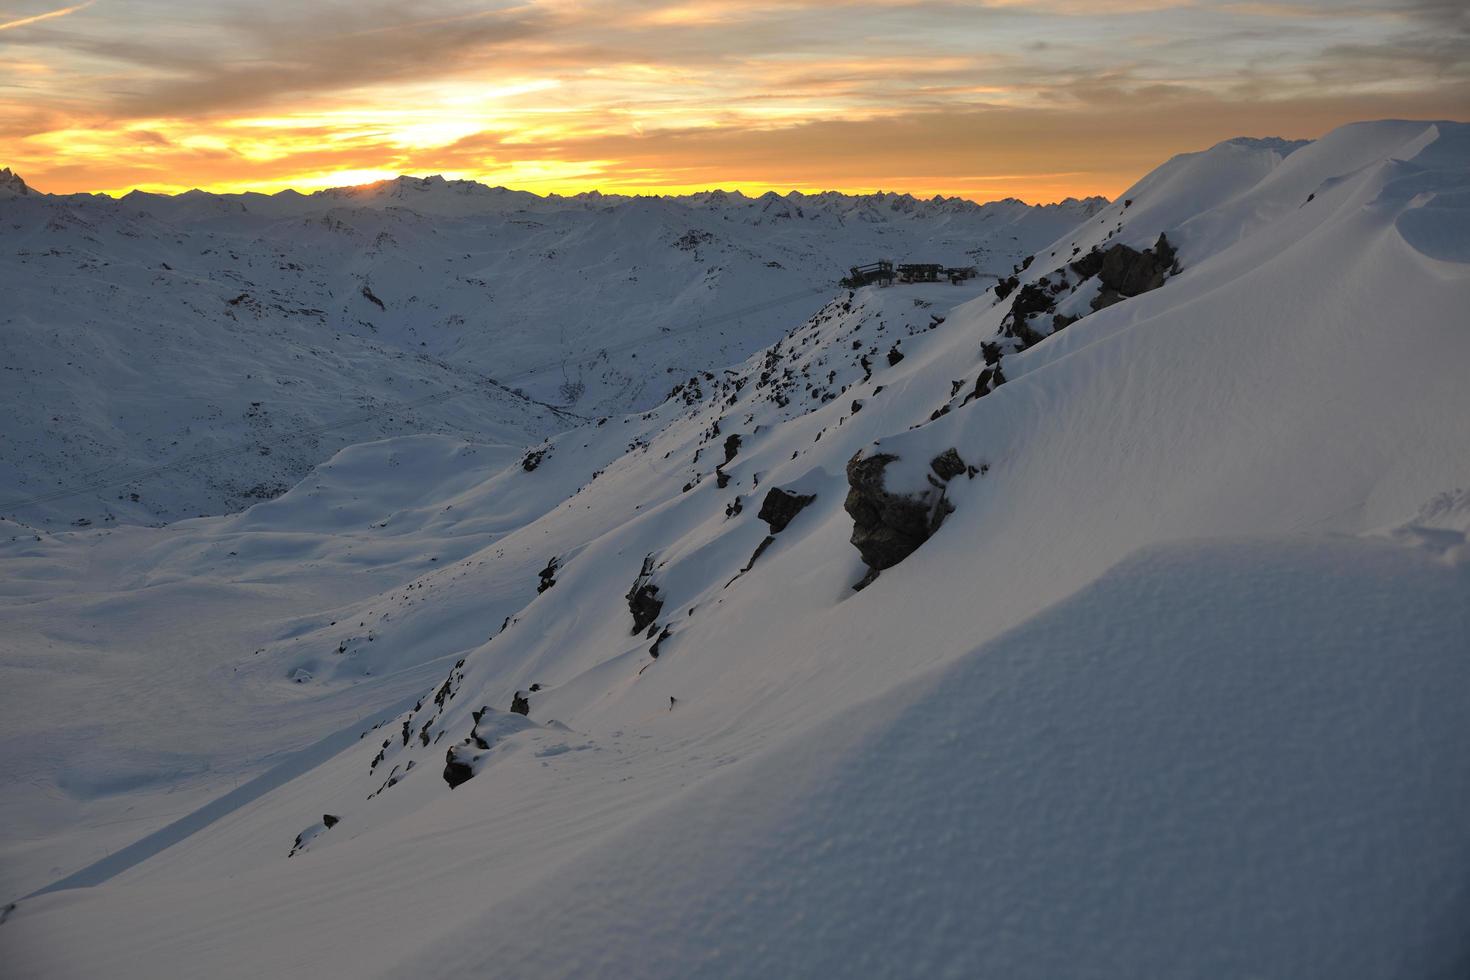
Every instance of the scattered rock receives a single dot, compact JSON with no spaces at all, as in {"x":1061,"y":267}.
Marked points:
{"x":305,"y":838}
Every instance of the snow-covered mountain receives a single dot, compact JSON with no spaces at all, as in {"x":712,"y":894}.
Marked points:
{"x":178,"y":356}
{"x":1157,"y":666}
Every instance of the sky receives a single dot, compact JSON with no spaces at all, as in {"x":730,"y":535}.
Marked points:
{"x":1036,"y":99}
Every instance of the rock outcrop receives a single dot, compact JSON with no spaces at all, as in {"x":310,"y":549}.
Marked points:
{"x":643,"y":599}
{"x":1126,"y":272}
{"x":888,"y":527}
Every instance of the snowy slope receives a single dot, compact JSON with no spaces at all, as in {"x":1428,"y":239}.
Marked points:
{"x":263,"y":333}
{"x":1175,"y":687}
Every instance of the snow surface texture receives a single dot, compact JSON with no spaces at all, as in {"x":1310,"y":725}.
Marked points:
{"x":1176,"y":689}
{"x":241,"y":339}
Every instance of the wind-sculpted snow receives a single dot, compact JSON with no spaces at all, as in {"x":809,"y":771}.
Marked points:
{"x":1172,"y":688}
{"x":237,"y":340}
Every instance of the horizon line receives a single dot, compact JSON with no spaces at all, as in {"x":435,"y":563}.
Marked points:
{"x":736,"y":191}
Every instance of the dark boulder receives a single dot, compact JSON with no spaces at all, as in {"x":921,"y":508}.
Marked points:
{"x":330,"y":820}
{"x":888,"y":527}
{"x":456,"y":770}
{"x":947,"y":465}
{"x":520,"y":704}
{"x":780,"y":507}
{"x":732,"y":446}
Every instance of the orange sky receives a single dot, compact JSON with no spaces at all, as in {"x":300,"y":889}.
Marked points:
{"x":1038,"y":99}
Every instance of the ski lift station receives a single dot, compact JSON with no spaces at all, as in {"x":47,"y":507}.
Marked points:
{"x":884,"y":273}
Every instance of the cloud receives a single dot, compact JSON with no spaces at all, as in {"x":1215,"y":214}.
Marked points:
{"x":1034,"y":97}
{"x":11,"y":25}
{"x":255,"y":61}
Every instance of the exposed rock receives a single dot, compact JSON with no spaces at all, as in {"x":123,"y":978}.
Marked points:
{"x":732,"y":446}
{"x":456,"y":771}
{"x":547,"y":576}
{"x":947,"y":465}
{"x":888,"y":527}
{"x":780,"y":507}
{"x":310,"y":834}
{"x":760,"y":549}
{"x":1033,"y":298}
{"x":533,"y":458}
{"x":643,"y":600}
{"x":520,"y":704}
{"x":894,"y":356}
{"x":1126,"y":272}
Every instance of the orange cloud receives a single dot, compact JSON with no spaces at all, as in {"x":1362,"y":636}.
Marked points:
{"x":930,"y":96}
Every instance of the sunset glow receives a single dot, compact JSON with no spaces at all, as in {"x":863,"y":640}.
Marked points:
{"x":1027,"y":98}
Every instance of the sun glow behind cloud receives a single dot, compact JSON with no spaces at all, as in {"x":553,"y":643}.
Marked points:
{"x":1034,"y":98}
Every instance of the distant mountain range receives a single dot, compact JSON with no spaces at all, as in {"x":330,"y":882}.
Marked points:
{"x":152,"y":330}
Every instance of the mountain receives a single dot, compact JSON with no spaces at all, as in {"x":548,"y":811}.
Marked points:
{"x":178,"y":356}
{"x":11,"y":185}
{"x":1111,"y":621}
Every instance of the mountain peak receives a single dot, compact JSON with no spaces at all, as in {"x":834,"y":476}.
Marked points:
{"x":11,"y":185}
